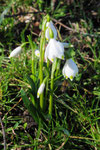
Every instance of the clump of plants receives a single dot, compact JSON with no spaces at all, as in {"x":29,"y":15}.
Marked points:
{"x":50,"y":62}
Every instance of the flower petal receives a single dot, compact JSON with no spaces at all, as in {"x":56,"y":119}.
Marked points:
{"x":54,"y":49}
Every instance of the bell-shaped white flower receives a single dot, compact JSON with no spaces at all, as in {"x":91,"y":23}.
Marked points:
{"x":37,"y":53}
{"x":70,"y":69}
{"x":47,"y":34}
{"x":54,"y":49}
{"x":41,"y":89}
{"x":15,"y":52}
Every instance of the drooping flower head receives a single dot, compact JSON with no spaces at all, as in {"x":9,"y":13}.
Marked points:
{"x":52,"y":27}
{"x":16,"y":52}
{"x":41,"y":89}
{"x":54,"y":49}
{"x":70,"y":69}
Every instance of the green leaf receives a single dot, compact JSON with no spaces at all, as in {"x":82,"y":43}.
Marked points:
{"x":65,"y":105}
{"x":33,"y":99}
{"x":28,"y":104}
{"x":31,"y":82}
{"x":35,"y":112}
{"x":5,"y":11}
{"x":70,"y":53}
{"x":63,"y":130}
{"x":54,"y":65}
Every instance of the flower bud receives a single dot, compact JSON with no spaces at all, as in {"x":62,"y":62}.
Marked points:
{"x":41,"y":89}
{"x":15,"y":52}
{"x":51,"y":34}
{"x":52,"y":27}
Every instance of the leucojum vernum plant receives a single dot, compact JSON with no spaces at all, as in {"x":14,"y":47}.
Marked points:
{"x":50,"y":55}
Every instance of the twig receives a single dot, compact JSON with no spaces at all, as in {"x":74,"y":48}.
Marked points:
{"x":63,"y":25}
{"x":21,"y":14}
{"x":88,"y":58}
{"x":3,"y":132}
{"x":61,"y":145}
{"x":83,"y":138}
{"x":13,"y":107}
{"x":74,"y":30}
{"x":50,"y":148}
{"x":26,"y":13}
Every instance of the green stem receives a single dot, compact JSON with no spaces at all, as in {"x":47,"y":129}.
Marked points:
{"x":54,"y":67}
{"x":42,"y":48}
{"x":13,"y":64}
{"x":47,"y":82}
{"x":41,"y":74}
{"x":51,"y":96}
{"x":58,"y":67}
{"x":33,"y":56}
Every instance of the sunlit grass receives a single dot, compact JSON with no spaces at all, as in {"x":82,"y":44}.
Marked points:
{"x":76,"y":109}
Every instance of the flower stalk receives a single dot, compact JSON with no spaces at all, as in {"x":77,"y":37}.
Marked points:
{"x":33,"y":56}
{"x":42,"y":49}
{"x":58,"y":67}
{"x":51,"y":95}
{"x":47,"y":83}
{"x":54,"y":66}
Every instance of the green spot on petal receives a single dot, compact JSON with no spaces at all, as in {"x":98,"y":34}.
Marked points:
{"x":47,"y":39}
{"x":62,"y":57}
{"x":71,"y":77}
{"x":66,"y":77}
{"x":52,"y":59}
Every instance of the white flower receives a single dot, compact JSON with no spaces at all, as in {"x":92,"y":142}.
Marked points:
{"x":70,"y":69}
{"x":37,"y":53}
{"x":15,"y":52}
{"x":66,"y":45}
{"x":50,"y":25}
{"x":54,"y":49}
{"x":41,"y":89}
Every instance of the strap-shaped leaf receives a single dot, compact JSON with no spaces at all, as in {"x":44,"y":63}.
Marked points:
{"x":35,"y":113}
{"x":28,"y":104}
{"x":32,"y":84}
